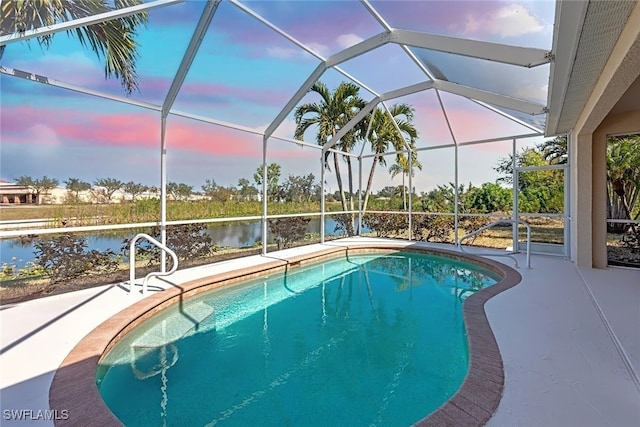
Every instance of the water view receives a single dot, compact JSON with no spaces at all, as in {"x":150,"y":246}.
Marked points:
{"x":17,"y":252}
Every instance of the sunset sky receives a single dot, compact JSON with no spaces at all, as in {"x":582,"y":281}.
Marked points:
{"x":245,"y":73}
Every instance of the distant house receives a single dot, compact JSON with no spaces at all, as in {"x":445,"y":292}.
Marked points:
{"x":13,"y":194}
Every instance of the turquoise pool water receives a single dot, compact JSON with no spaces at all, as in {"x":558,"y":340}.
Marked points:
{"x":368,"y":340}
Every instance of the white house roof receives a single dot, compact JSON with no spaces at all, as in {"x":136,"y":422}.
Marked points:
{"x":585,"y":35}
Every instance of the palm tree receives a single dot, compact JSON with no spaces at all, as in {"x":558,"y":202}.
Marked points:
{"x":334,"y":110}
{"x":623,"y":179}
{"x":112,"y":40}
{"x":554,"y":150}
{"x":402,"y":166}
{"x":383,"y":133}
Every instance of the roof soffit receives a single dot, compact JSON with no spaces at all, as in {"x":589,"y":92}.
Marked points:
{"x":601,"y":28}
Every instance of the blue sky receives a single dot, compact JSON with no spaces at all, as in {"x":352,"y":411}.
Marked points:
{"x":245,"y":73}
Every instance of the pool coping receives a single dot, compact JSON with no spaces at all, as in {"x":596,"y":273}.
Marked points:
{"x":74,"y":388}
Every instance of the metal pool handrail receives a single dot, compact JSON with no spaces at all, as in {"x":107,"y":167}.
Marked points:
{"x":132,"y":261}
{"x":508,"y":254}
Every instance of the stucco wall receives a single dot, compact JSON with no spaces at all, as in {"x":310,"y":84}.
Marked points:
{"x":613,"y":124}
{"x":581,"y":199}
{"x":588,"y":167}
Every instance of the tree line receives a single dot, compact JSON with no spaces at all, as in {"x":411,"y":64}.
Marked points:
{"x":295,"y":188}
{"x":539,"y":191}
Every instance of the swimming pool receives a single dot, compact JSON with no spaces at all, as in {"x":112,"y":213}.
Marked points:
{"x":375,"y":339}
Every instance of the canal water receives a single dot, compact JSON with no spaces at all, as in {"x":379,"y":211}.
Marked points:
{"x":17,"y":253}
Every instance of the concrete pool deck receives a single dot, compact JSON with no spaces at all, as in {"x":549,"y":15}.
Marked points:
{"x":567,"y":360}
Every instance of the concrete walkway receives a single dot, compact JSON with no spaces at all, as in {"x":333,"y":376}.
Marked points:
{"x":569,"y":338}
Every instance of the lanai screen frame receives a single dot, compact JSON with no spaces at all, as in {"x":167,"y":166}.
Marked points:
{"x":519,"y":56}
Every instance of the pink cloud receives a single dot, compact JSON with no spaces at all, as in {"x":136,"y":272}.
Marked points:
{"x":432,"y":126}
{"x":140,"y":130}
{"x":471,"y":125}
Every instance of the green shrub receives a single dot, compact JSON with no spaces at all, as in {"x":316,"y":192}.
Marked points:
{"x":344,"y":224}
{"x":631,"y":240}
{"x":188,"y":241}
{"x":433,"y":228}
{"x":66,"y":257}
{"x":288,"y":230}
{"x":386,"y":224}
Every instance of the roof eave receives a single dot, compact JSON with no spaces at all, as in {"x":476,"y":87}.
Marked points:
{"x":570,"y":17}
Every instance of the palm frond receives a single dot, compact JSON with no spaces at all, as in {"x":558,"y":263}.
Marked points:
{"x":112,"y":41}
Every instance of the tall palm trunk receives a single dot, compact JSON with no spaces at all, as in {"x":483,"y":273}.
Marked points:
{"x":351,"y":225}
{"x":618,"y":188}
{"x":618,"y":208}
{"x":404,"y":194}
{"x":369,"y":183}
{"x":350,"y":174}
{"x":336,"y":165}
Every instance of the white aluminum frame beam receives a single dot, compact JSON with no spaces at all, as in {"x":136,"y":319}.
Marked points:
{"x":491,"y":98}
{"x":461,"y":144}
{"x":365,"y":46}
{"x":467,"y":92}
{"x":299,"y":143}
{"x":509,"y":116}
{"x":419,"y":87}
{"x":359,"y":49}
{"x":514,"y":55}
{"x":446,"y":118}
{"x":374,"y":12}
{"x":297,"y":97}
{"x":270,"y":24}
{"x":350,"y":124}
{"x":293,"y":40}
{"x":407,"y":90}
{"x":395,"y":125}
{"x":83,"y":22}
{"x":69,"y":86}
{"x":209,"y":120}
{"x":189,"y":55}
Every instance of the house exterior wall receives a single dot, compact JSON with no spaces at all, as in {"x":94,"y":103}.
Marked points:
{"x":588,"y":169}
{"x":628,"y":122}
{"x":581,"y":200}
{"x":15,"y":195}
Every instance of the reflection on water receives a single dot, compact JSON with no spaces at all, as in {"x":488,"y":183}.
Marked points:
{"x":363,"y":350}
{"x":235,"y":235}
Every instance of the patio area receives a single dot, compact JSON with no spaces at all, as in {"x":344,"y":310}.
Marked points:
{"x":569,"y":339}
{"x":568,"y":333}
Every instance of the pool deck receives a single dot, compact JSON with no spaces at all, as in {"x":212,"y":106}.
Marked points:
{"x":569,"y":339}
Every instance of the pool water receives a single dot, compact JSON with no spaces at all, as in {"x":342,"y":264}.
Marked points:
{"x":364,"y":340}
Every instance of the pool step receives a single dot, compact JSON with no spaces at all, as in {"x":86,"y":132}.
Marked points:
{"x":255,"y":299}
{"x":220,"y":313}
{"x":186,"y":322}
